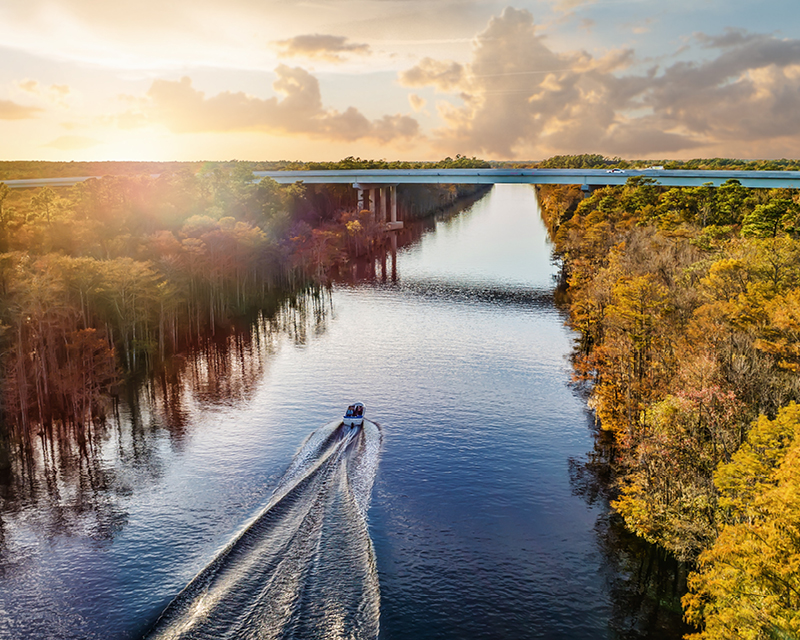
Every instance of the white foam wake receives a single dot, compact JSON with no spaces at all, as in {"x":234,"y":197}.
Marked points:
{"x":305,"y":567}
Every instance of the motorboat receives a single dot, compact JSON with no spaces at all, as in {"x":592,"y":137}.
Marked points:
{"x":354,"y":416}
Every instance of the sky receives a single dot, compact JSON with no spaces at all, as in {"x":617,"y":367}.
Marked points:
{"x":398,"y":79}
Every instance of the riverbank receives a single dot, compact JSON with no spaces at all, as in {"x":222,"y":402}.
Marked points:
{"x":686,"y":304}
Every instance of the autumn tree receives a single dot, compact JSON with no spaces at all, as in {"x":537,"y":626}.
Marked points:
{"x":43,"y":203}
{"x":689,"y":331}
{"x":747,"y":585}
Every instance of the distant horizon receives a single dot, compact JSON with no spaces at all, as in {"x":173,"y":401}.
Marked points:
{"x":409,"y":160}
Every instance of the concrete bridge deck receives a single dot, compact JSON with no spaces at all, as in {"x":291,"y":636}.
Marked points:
{"x":589,"y":177}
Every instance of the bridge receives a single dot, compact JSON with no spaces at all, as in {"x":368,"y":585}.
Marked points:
{"x":377,"y":188}
{"x":590,"y":177}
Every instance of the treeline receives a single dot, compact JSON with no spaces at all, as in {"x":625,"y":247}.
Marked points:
{"x":350,"y":163}
{"x":27,"y":169}
{"x":597,"y":161}
{"x":687,"y":304}
{"x":584,"y":161}
{"x":782,"y":164}
{"x":107,"y":278}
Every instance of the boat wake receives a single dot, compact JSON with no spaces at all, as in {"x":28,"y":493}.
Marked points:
{"x":305,"y":568}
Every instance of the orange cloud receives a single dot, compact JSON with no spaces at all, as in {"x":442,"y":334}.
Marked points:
{"x":325,"y":47}
{"x":184,"y":109}
{"x":13,"y":111}
{"x":417,"y":102}
{"x":55,"y":93}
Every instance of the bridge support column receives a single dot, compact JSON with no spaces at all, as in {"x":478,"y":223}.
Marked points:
{"x":393,"y":205}
{"x":385,"y":211}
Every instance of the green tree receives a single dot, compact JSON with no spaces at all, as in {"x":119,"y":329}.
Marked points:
{"x":731,"y":203}
{"x":767,"y":220}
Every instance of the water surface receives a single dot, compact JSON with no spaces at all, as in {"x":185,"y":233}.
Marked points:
{"x":475,"y":528}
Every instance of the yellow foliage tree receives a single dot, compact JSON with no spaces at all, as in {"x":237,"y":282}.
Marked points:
{"x":747,"y":585}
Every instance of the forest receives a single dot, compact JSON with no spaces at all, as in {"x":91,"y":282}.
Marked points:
{"x":103,"y":282}
{"x":686,"y":303}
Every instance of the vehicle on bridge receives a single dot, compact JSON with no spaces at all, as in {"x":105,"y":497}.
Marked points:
{"x":354,"y":416}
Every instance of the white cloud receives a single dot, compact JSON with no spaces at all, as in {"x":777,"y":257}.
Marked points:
{"x":520,"y":98}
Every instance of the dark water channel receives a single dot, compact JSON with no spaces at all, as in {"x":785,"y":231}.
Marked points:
{"x":485,"y":520}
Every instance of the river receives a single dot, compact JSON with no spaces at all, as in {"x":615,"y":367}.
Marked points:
{"x":463,"y":509}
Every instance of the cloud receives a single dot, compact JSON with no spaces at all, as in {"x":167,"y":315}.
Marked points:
{"x":416,"y":102}
{"x":13,"y":111}
{"x":520,"y":98}
{"x":72,"y":143}
{"x":324,"y":47}
{"x":445,"y":76}
{"x":184,"y":109}
{"x":569,"y":5}
{"x":55,"y":93}
{"x":29,"y":86}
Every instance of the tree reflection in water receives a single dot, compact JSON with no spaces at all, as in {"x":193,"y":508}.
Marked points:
{"x":73,"y":479}
{"x":645,"y":582}
{"x":75,"y":483}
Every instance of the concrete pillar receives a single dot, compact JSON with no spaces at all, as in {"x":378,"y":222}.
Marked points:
{"x":360,"y":200}
{"x":384,"y":193}
{"x":371,"y":195}
{"x":393,"y":206}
